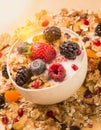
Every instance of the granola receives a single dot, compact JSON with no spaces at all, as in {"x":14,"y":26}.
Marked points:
{"x":81,"y":109}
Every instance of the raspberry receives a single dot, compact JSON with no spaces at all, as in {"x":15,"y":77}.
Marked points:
{"x":57,"y":72}
{"x":43,"y":51}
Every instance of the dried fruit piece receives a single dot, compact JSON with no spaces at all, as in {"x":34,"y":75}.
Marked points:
{"x":52,"y":34}
{"x":37,"y":66}
{"x":5,"y":120}
{"x":74,"y":127}
{"x":50,"y":114}
{"x":45,"y":23}
{"x":12,"y":95}
{"x":36,"y":84}
{"x":69,"y":49}
{"x":97,"y":42}
{"x":91,"y":53}
{"x":20,"y":112}
{"x":57,"y":72}
{"x":2,"y":101}
{"x":4,"y":71}
{"x":43,"y":51}
{"x":74,"y":67}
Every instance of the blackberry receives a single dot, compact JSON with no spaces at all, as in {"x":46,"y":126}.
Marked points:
{"x":22,"y":76}
{"x":74,"y":127}
{"x":98,"y":30}
{"x":2,"y":101}
{"x":52,"y":34}
{"x":69,"y":49}
{"x":37,"y":67}
{"x":4,"y":71}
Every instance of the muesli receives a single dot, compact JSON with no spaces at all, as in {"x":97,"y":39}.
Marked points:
{"x":81,"y":109}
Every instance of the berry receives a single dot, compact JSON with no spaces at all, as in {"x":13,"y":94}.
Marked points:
{"x":57,"y":72}
{"x":43,"y":51}
{"x":86,"y":22}
{"x":20,"y":112}
{"x":97,"y":42}
{"x":4,"y":71}
{"x":74,"y":67}
{"x":87,"y":94}
{"x":45,"y":23}
{"x":35,"y":84}
{"x":5,"y":120}
{"x":98,"y":30}
{"x":74,"y":127}
{"x":37,"y":66}
{"x":99,"y":90}
{"x":50,"y":114}
{"x":2,"y":101}
{"x":15,"y":120}
{"x":52,"y":34}
{"x":22,"y":76}
{"x":69,"y":49}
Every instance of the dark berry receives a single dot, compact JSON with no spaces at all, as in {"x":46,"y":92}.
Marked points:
{"x":20,"y":112}
{"x":52,"y":34}
{"x":98,"y":30}
{"x":74,"y":127}
{"x":22,"y":76}
{"x":50,"y":114}
{"x":63,"y":126}
{"x":2,"y":101}
{"x":37,"y":66}
{"x":69,"y":49}
{"x":85,"y":39}
{"x":87,"y":94}
{"x":4,"y":71}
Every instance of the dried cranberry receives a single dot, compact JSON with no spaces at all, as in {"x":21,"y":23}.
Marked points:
{"x":15,"y":120}
{"x":20,"y":112}
{"x":35,"y":84}
{"x":50,"y":114}
{"x":97,"y":42}
{"x":5,"y":120}
{"x":86,"y":22}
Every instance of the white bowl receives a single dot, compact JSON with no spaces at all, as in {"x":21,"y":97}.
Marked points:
{"x":56,"y":93}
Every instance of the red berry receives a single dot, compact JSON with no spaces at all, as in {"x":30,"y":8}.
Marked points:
{"x":43,"y":51}
{"x":50,"y":114}
{"x":1,"y":54}
{"x":74,"y":67}
{"x":20,"y":112}
{"x":15,"y":120}
{"x":35,"y":84}
{"x":45,"y":23}
{"x":78,"y":52}
{"x":97,"y":42}
{"x":99,"y":90}
{"x":5,"y":120}
{"x":86,"y":22}
{"x":57,"y":72}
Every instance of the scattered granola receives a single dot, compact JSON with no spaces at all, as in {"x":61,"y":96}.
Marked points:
{"x":81,"y":109}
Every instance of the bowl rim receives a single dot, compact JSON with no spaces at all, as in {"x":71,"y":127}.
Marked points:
{"x":56,"y":85}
